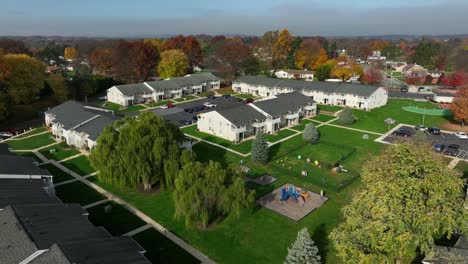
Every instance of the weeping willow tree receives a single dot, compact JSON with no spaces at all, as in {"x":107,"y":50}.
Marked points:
{"x":206,"y":192}
{"x":142,"y":150}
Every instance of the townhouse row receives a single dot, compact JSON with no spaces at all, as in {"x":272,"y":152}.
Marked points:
{"x":269,"y":116}
{"x":364,"y":97}
{"x":130,"y":94}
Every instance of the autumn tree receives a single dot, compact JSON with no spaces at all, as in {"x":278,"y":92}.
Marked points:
{"x":146,"y":59}
{"x":139,"y":150}
{"x":189,"y":45}
{"x":281,"y":48}
{"x":5,"y":106}
{"x":173,"y":63}
{"x":409,"y":197}
{"x":101,"y":60}
{"x":323,"y":72}
{"x":307,"y":55}
{"x":341,"y":72}
{"x":379,"y":45}
{"x":25,"y":77}
{"x":204,"y":193}
{"x":373,"y":76}
{"x":291,"y":61}
{"x":232,"y":58}
{"x":459,"y":106}
{"x":156,"y":42}
{"x":50,"y":52}
{"x":12,"y":46}
{"x":70,"y":53}
{"x":267,"y":43}
{"x":322,"y":58}
{"x":59,"y":87}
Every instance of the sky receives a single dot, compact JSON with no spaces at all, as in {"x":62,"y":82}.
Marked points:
{"x":134,"y":18}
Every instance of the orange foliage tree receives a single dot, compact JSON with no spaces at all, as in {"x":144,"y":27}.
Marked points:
{"x":459,"y":106}
{"x":70,"y":53}
{"x":321,"y":59}
{"x":282,"y":47}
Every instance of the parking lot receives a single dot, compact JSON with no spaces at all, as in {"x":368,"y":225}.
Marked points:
{"x":444,"y":138}
{"x":177,"y":113}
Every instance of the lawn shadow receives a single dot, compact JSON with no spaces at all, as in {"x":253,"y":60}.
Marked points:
{"x":321,"y":241}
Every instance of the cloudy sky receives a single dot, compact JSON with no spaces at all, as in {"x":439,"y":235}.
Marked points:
{"x":127,"y":18}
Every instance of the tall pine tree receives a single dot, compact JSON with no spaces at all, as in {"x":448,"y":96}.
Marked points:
{"x":260,"y":148}
{"x":303,"y":250}
{"x":310,"y":134}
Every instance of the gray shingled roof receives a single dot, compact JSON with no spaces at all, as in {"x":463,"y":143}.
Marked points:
{"x":326,"y":87}
{"x":95,"y":127}
{"x":18,"y":191}
{"x":164,"y":85}
{"x":357,"y":89}
{"x":53,"y":255}
{"x":70,"y":114}
{"x":17,"y":165}
{"x":5,"y":149}
{"x":241,"y":115}
{"x":132,"y":89}
{"x":293,"y":84}
{"x":180,"y":82}
{"x":259,"y":80}
{"x":15,"y":244}
{"x":449,"y":255}
{"x":284,"y":103}
{"x":203,"y":76}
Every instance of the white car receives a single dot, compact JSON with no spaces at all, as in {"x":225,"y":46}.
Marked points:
{"x":5,"y":134}
{"x":164,"y":107}
{"x":209,"y":105}
{"x":461,"y":135}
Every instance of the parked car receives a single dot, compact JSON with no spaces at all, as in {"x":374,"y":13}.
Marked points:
{"x":5,"y":134}
{"x":434,"y":130}
{"x":403,"y":89}
{"x":210,"y":96}
{"x":452,"y":150}
{"x":185,"y":122}
{"x":199,"y":108}
{"x":461,"y":135}
{"x":402,"y":132}
{"x":195,"y":118}
{"x":249,"y":100}
{"x":420,"y":127}
{"x":209,"y":105}
{"x":13,"y":131}
{"x":439,"y":147}
{"x":226,"y":96}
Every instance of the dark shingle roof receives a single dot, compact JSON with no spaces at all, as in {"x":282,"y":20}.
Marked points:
{"x":293,"y":84}
{"x":135,"y":88}
{"x":241,"y":115}
{"x":357,"y":89}
{"x":326,"y":87}
{"x":70,"y":114}
{"x":448,"y":255}
{"x":203,"y":77}
{"x":17,"y":192}
{"x":95,"y":127}
{"x":18,"y":165}
{"x":15,"y":244}
{"x":284,"y":103}
{"x":53,"y":255}
{"x":259,"y":80}
{"x":5,"y":149}
{"x":164,"y":85}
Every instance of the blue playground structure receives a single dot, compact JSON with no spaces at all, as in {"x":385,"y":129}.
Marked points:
{"x":289,"y":192}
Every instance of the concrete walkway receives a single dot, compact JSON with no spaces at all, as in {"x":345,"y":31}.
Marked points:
{"x":454,"y":163}
{"x":96,"y":203}
{"x":138,"y":230}
{"x":177,"y":240}
{"x":219,"y":146}
{"x":74,"y":180}
{"x":71,"y":157}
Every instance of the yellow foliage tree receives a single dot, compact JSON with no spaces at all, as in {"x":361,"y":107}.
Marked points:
{"x":156,"y":42}
{"x":321,"y":59}
{"x":282,"y":47}
{"x":70,"y":53}
{"x":356,"y":69}
{"x":173,"y":63}
{"x":307,"y":54}
{"x":341,"y":72}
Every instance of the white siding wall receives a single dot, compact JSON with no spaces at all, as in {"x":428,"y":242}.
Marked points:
{"x":215,"y":124}
{"x":115,"y":96}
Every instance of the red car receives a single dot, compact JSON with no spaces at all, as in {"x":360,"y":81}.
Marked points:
{"x":13,"y":131}
{"x":168,"y":106}
{"x":248,"y":101}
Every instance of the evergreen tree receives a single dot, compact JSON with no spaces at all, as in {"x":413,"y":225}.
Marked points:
{"x":260,"y":148}
{"x":310,"y":134}
{"x":303,"y":250}
{"x":346,"y":117}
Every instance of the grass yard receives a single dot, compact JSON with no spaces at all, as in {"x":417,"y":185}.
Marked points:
{"x":29,"y":154}
{"x":185,"y":98}
{"x":59,"y":175}
{"x":246,"y":96}
{"x":243,"y":147}
{"x":60,"y":152}
{"x":112,"y":106}
{"x":32,"y":132}
{"x":374,"y":120}
{"x":133,"y":108}
{"x":122,"y":109}
{"x":225,"y":90}
{"x":78,"y":192}
{"x":206,"y":152}
{"x":161,"y":250}
{"x":323,"y":118}
{"x":32,"y":142}
{"x":283,"y":133}
{"x":301,"y":125}
{"x":206,"y":93}
{"x":463,"y":167}
{"x":80,"y":165}
{"x":118,"y":221}
{"x":329,"y":108}
{"x":160,"y":103}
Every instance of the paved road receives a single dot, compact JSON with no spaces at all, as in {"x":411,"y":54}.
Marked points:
{"x":398,"y":94}
{"x":391,"y":82}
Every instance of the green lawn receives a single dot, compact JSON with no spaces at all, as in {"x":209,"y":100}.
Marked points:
{"x":112,"y":106}
{"x":323,"y":118}
{"x":78,"y":192}
{"x":301,"y":125}
{"x":80,"y":165}
{"x":32,"y":132}
{"x":225,"y":90}
{"x":279,"y":135}
{"x":185,"y":98}
{"x":206,"y":93}
{"x":161,"y":250}
{"x":206,"y":152}
{"x":329,"y":108}
{"x":118,"y":221}
{"x":29,"y":154}
{"x":32,"y":142}
{"x":122,"y":109}
{"x":160,"y":103}
{"x":59,"y":175}
{"x":243,"y":147}
{"x":374,"y":120}
{"x":60,"y":152}
{"x":133,"y":108}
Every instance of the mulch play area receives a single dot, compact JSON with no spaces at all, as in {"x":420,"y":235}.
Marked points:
{"x":292,"y":202}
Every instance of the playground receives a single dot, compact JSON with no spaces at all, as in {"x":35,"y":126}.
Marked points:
{"x":292,"y":201}
{"x":428,"y":111}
